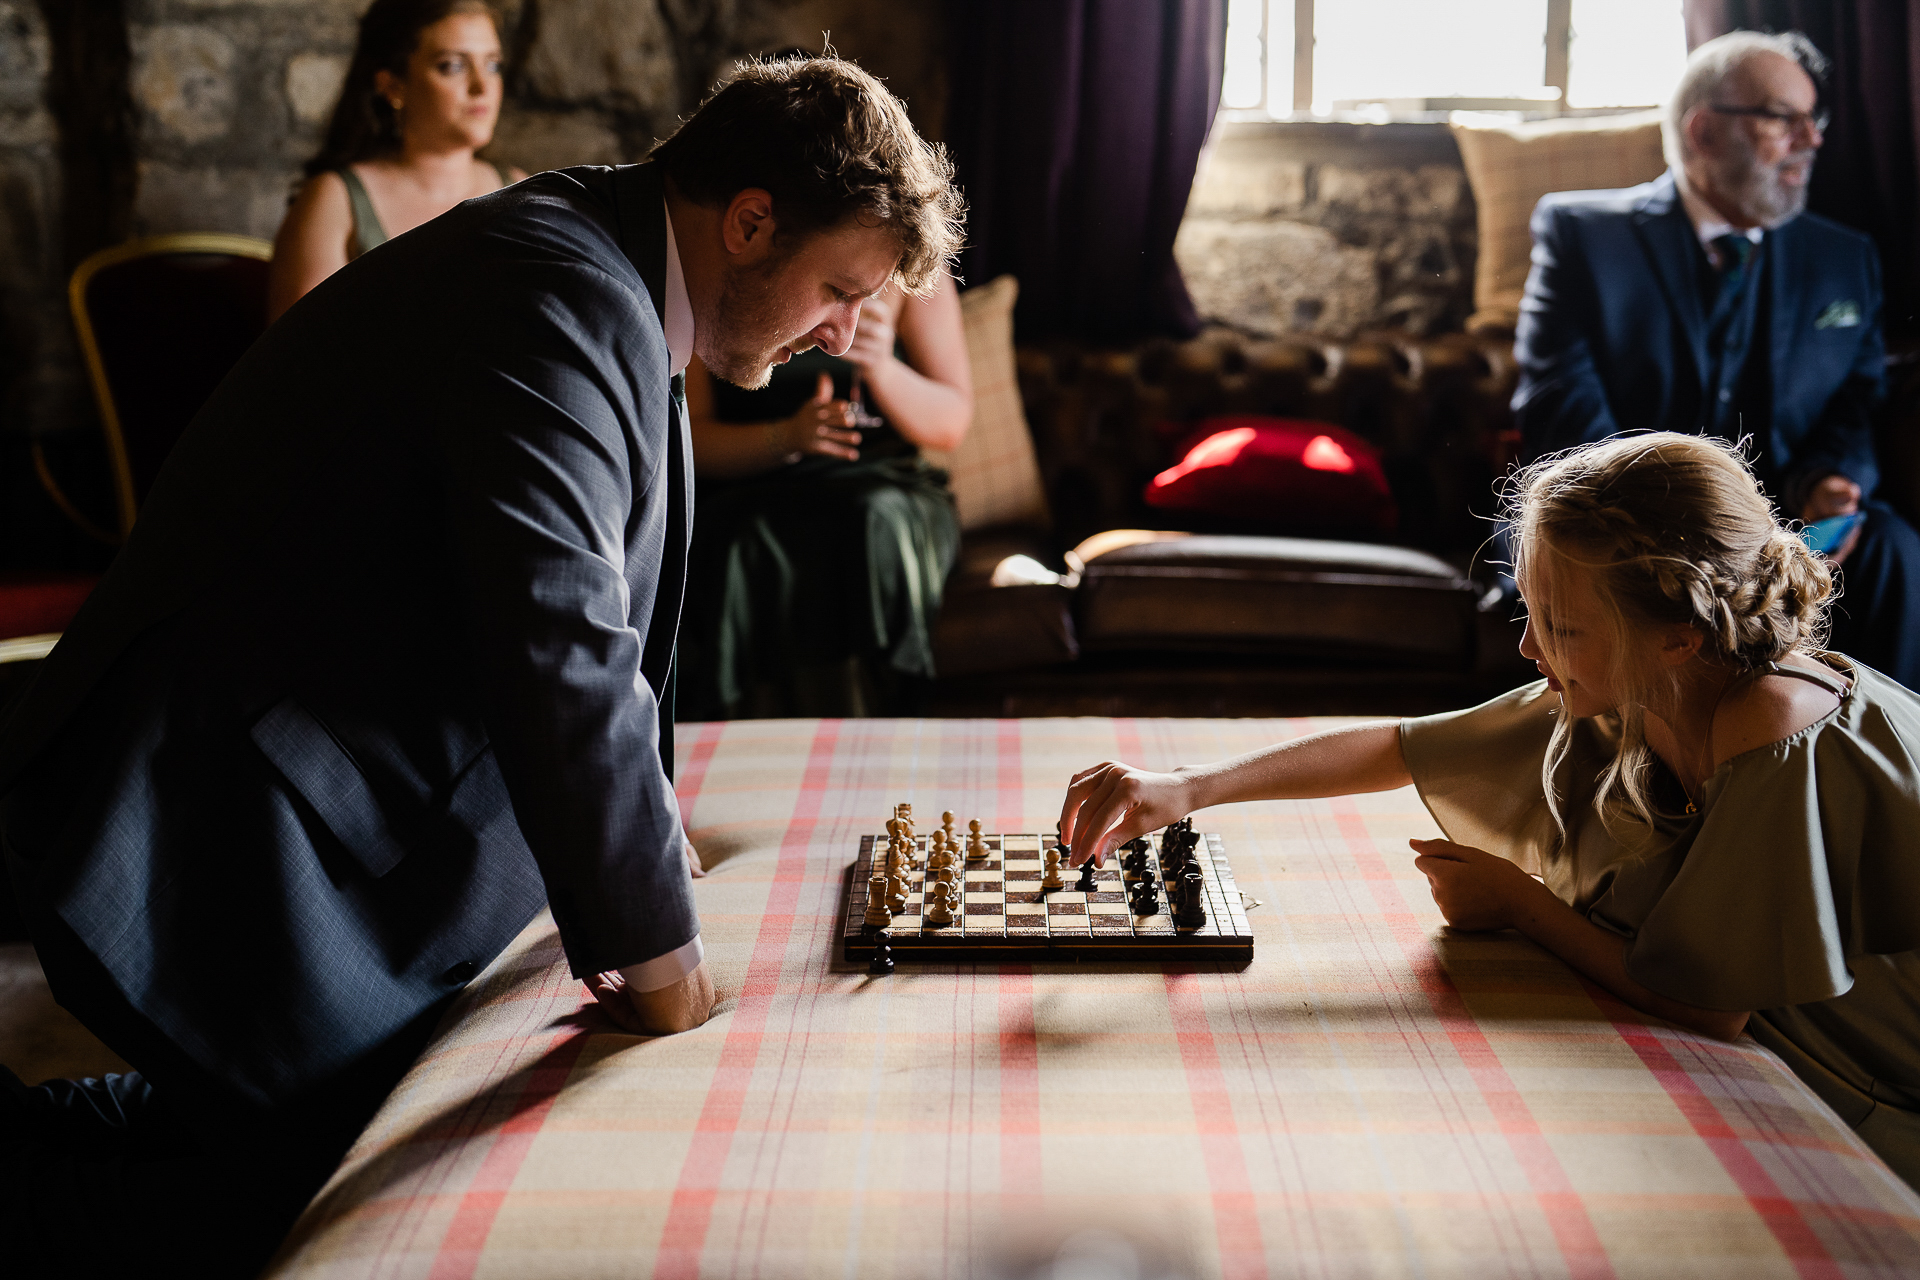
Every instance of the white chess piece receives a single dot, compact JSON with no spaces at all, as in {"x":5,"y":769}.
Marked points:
{"x":1053,"y":880}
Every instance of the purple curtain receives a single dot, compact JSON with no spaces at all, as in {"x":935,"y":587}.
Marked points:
{"x":1868,"y":174}
{"x":1075,"y":126}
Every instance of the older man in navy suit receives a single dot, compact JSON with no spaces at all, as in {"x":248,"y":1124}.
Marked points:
{"x":385,"y":664}
{"x":1709,"y":301}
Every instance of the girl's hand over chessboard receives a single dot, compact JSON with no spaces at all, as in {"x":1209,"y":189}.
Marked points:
{"x":1112,"y":803}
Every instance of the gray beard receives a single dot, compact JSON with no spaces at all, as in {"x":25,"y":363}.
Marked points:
{"x":1757,"y":190}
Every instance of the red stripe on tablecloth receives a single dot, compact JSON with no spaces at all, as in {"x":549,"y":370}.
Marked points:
{"x":459,"y":1251}
{"x":1236,"y":1223}
{"x":1790,"y":1228}
{"x":1020,"y":1169}
{"x":1010,"y":779}
{"x":693,"y":767}
{"x":690,"y":1212}
{"x":1561,"y":1205}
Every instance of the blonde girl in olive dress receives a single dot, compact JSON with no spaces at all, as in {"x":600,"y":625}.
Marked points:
{"x":1696,"y":807}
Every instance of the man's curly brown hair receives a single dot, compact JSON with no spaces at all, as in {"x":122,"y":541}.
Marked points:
{"x":828,"y":142}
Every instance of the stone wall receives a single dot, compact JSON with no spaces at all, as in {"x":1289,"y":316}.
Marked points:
{"x":143,"y":117}
{"x":1330,"y":229}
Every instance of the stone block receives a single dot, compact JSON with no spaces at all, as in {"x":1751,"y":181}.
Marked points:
{"x":1276,"y":277}
{"x":541,"y":140}
{"x":243,"y":201}
{"x":183,"y":80}
{"x":24,"y":55}
{"x":313,"y":85}
{"x":1246,"y":182}
{"x":615,"y":53}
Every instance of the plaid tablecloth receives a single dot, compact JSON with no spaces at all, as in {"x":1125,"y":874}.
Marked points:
{"x":1372,"y":1096}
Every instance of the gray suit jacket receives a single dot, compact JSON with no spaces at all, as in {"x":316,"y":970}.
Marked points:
{"x":380,"y":669}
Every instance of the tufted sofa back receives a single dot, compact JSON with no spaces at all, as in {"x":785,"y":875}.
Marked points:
{"x":1105,"y":421}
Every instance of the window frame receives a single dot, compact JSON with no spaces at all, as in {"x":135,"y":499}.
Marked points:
{"x":1557,"y":34}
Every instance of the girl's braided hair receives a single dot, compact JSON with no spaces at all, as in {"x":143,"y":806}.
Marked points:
{"x":1674,"y":529}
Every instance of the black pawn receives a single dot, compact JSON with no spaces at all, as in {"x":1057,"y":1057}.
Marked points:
{"x":1145,"y":901}
{"x":1085,"y":883}
{"x":882,"y":963}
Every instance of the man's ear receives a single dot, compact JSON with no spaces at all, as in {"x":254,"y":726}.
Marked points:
{"x":747,"y":225}
{"x":1700,"y":126}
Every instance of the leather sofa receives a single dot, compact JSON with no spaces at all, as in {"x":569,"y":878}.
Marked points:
{"x":1138,"y":614}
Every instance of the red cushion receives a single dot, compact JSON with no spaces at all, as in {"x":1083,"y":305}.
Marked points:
{"x":35,"y":604}
{"x":1312,"y":476}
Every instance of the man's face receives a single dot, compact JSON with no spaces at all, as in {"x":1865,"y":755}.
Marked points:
{"x":1755,"y":166}
{"x":799,"y":296}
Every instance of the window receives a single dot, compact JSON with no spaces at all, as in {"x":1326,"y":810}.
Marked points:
{"x":1397,"y":57}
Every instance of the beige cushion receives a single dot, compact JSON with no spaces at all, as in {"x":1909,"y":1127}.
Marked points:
{"x":1512,"y":165}
{"x":996,"y":478}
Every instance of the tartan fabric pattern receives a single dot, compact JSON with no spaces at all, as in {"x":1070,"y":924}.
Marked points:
{"x":994,"y":474}
{"x":1371,"y":1096}
{"x":1510,"y":166}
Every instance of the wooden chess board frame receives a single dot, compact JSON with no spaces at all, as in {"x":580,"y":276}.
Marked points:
{"x":1005,"y":916}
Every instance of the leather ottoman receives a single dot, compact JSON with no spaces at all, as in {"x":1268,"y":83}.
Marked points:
{"x":1348,"y":603}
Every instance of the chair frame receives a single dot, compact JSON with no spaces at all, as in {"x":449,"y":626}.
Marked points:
{"x":149,"y":246}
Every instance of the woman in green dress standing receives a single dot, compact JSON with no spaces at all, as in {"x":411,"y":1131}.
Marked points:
{"x":821,"y":538}
{"x":421,"y":96}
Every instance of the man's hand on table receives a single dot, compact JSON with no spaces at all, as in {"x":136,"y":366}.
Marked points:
{"x":1834,"y":495}
{"x":680,"y":1007}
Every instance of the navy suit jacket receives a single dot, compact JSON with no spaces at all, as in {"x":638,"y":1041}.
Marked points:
{"x":379,"y":671}
{"x":1613,"y":334}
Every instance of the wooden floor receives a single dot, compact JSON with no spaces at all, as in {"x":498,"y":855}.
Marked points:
{"x":38,"y":1039}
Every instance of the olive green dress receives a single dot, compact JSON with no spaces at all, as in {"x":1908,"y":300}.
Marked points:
{"x":813,"y":589}
{"x":1793,"y":892}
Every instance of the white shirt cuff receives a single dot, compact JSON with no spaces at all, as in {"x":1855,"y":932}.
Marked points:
{"x":664,"y":971}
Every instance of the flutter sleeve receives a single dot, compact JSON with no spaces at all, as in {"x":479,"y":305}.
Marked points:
{"x":1807,"y":854}
{"x":1478,"y":773}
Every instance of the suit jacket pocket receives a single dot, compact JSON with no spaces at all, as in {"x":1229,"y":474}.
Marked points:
{"x":324,"y":774}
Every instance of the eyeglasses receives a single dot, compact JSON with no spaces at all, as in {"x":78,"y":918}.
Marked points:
{"x":1787,"y":121}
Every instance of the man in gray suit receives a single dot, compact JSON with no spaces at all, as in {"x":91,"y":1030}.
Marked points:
{"x":386,"y":664}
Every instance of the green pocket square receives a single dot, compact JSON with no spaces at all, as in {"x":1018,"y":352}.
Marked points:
{"x":1844,"y":314}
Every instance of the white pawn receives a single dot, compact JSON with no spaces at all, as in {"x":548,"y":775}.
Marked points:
{"x":976,"y":846}
{"x":946,"y":825}
{"x":1053,"y":880}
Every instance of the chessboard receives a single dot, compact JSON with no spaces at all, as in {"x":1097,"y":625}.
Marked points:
{"x":1006,"y":913}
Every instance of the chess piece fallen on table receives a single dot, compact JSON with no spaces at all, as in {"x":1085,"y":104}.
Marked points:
{"x":882,"y":963}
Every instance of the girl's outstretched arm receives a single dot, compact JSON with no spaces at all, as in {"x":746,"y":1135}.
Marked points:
{"x":1112,"y":803}
{"x":1477,"y":890}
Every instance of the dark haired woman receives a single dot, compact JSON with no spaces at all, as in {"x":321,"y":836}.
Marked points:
{"x":422,"y":95}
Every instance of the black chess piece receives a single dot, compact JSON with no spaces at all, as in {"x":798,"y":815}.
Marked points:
{"x":1085,"y":883}
{"x":882,"y":963}
{"x":1145,"y":901}
{"x":1192,"y":912}
{"x":1133,"y":859}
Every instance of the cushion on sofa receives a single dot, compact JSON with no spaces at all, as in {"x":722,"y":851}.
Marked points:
{"x":1004,"y":609}
{"x":1293,"y":597}
{"x":994,"y":474}
{"x":1315,"y":476}
{"x":1510,"y":166}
